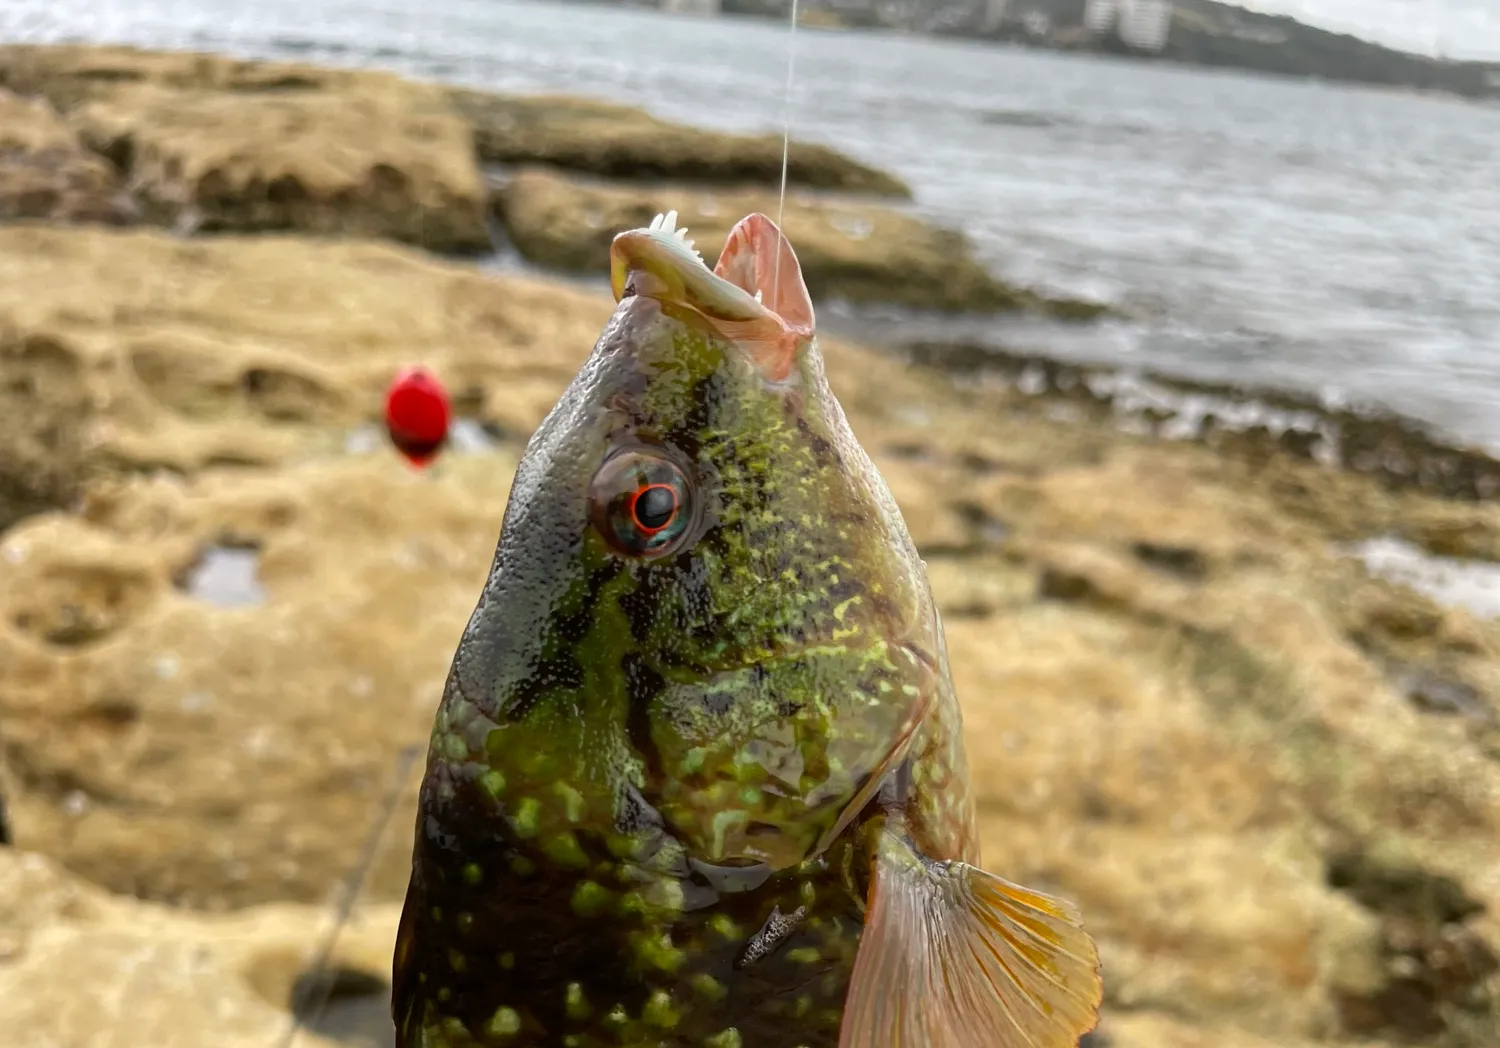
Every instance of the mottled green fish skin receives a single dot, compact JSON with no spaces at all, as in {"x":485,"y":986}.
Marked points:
{"x":635,"y":762}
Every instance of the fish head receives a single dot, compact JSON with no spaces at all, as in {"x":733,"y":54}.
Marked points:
{"x":706,"y":622}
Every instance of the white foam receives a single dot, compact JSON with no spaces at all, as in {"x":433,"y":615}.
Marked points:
{"x":1470,"y":584}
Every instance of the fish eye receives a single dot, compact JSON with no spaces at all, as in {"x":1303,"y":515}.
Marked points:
{"x":641,"y":503}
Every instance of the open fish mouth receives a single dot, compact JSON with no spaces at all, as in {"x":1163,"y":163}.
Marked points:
{"x":754,"y":295}
{"x":662,"y":252}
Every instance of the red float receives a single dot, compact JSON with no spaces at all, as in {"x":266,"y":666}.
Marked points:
{"x":417,"y":415}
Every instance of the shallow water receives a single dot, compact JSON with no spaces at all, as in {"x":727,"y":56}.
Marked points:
{"x":354,"y":1021}
{"x":227,"y":577}
{"x":466,"y":436}
{"x":1470,"y":584}
{"x":1335,"y":240}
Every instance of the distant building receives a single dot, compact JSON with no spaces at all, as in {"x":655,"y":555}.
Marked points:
{"x":1146,"y":24}
{"x":691,"y":7}
{"x":1099,"y":16}
{"x":1141,"y":24}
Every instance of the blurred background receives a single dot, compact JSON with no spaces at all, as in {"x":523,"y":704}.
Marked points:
{"x":1174,"y":326}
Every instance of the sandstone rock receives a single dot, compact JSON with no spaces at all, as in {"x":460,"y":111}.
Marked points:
{"x":617,"y":141}
{"x":1163,"y":1030}
{"x":80,"y":968}
{"x":587,"y":135}
{"x":1193,"y":754}
{"x":186,"y":356}
{"x":46,"y":173}
{"x":1463,"y":530}
{"x":137,"y":351}
{"x":70,"y":75}
{"x":854,"y":250}
{"x":213,"y":144}
{"x":390,"y":164}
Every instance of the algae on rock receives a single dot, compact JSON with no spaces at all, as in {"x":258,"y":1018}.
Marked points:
{"x":70,"y":75}
{"x":47,"y":173}
{"x":211,"y":143}
{"x":619,"y":141}
{"x":365,"y":164}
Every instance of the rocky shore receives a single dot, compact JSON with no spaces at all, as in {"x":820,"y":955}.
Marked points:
{"x":207,"y":144}
{"x":1270,"y":778}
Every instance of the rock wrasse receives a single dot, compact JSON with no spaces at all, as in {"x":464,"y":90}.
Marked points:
{"x":697,"y":779}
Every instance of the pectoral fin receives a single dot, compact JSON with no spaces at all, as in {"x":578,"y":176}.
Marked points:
{"x":954,"y":957}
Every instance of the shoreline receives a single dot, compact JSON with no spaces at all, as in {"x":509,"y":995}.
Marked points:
{"x":1194,"y":45}
{"x":1369,"y":440}
{"x":555,"y":138}
{"x":1364,"y":438}
{"x":1428,"y":410}
{"x":289,"y":50}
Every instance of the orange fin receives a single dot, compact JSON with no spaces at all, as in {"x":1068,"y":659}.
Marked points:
{"x":954,"y":957}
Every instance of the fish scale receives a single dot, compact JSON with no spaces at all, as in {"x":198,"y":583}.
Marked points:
{"x":698,"y":781}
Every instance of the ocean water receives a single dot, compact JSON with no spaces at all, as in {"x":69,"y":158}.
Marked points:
{"x":1331,"y":240}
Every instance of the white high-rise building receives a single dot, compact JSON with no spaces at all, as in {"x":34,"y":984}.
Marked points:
{"x":1099,"y":15}
{"x":1143,"y":24}
{"x":1146,"y":24}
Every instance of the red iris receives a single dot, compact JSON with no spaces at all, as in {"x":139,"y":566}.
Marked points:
{"x":417,"y":414}
{"x":653,"y":507}
{"x":642,"y":503}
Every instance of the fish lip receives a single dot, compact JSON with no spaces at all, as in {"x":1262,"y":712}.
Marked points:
{"x":729,"y":300}
{"x":675,"y":273}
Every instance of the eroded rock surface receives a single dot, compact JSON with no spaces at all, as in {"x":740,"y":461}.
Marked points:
{"x":1184,"y":703}
{"x":210,"y":143}
{"x":47,"y":173}
{"x":617,"y":141}
{"x":81,"y":968}
{"x":391,"y":163}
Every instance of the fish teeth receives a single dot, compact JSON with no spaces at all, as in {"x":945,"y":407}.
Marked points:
{"x":667,"y":223}
{"x":688,"y":243}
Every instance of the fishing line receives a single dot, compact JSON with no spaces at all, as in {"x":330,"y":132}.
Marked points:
{"x":786,"y":152}
{"x":321,"y":985}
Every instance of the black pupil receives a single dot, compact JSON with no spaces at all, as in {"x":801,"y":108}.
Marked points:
{"x":654,"y":508}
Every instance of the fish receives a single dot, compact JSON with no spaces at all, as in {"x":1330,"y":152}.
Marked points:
{"x":697,"y":778}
